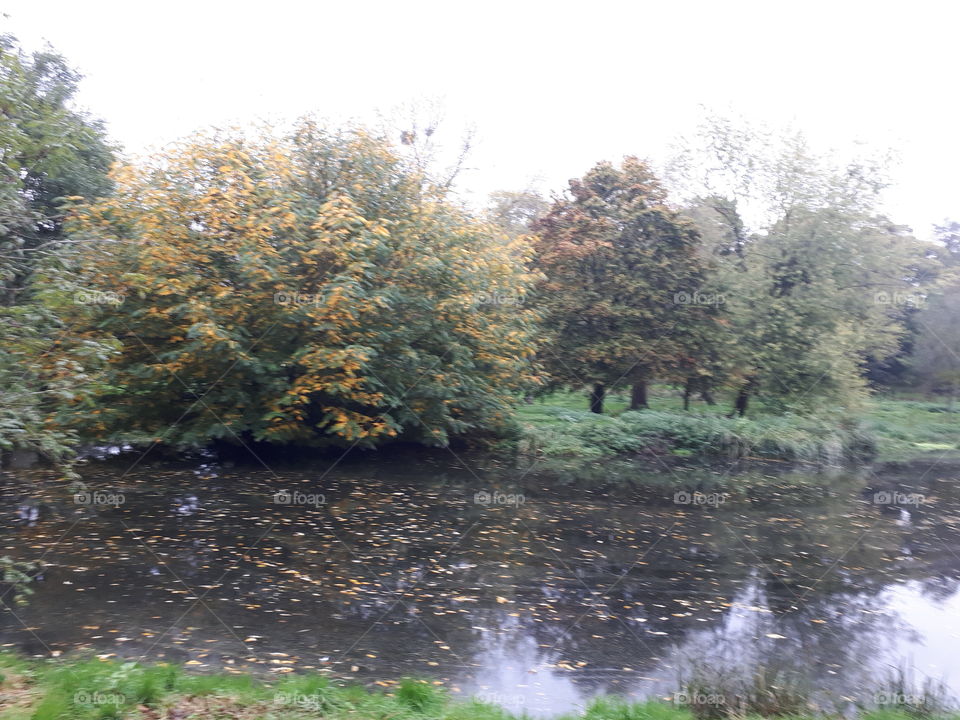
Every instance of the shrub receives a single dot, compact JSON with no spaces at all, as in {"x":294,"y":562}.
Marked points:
{"x":787,"y":437}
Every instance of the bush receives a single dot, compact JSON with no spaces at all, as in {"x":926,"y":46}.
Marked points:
{"x":785,"y":437}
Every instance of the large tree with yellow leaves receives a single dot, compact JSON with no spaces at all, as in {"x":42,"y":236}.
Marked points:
{"x":307,"y":290}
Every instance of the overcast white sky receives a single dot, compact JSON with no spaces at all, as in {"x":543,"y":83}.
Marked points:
{"x":551,"y":87}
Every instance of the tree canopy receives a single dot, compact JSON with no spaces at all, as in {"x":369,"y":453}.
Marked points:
{"x":48,"y":151}
{"x":624,"y":294}
{"x":311,"y":290}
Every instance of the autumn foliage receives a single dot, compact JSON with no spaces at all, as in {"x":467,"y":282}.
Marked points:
{"x":309,"y":290}
{"x":618,"y":264}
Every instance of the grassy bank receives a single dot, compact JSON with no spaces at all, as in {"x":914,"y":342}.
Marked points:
{"x":888,"y":429}
{"x":561,"y":426}
{"x":908,"y":429}
{"x":60,"y":689}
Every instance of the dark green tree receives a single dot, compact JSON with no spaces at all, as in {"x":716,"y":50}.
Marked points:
{"x":624,"y":291}
{"x":49,"y":151}
{"x":820,"y":287}
{"x":936,"y":354}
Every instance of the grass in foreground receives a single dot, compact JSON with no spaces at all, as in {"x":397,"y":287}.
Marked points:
{"x":88,"y":689}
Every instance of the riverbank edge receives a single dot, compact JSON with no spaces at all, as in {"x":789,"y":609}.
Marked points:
{"x":558,"y":428}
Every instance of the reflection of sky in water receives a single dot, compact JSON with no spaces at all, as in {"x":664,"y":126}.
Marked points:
{"x":934,"y":644}
{"x":522,"y":676}
{"x":581,"y":591}
{"x":514,"y":673}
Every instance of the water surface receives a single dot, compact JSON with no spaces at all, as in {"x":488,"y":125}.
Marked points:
{"x":532,"y":588}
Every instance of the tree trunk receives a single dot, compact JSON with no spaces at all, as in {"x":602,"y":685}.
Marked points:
{"x":687,"y":390}
{"x":740,"y":406}
{"x":638,"y":395}
{"x":597,"y":395}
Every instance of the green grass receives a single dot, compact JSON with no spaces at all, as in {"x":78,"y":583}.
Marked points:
{"x":908,"y":429}
{"x":82,"y":689}
{"x":560,"y":425}
{"x":660,"y":399}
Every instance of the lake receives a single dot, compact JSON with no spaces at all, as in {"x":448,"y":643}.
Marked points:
{"x":532,"y":586}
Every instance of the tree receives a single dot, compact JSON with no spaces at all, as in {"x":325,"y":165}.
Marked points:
{"x":718,"y":351}
{"x":516,"y":212}
{"x":48,"y":151}
{"x":933,"y":277}
{"x":947,"y":237}
{"x":418,"y":129}
{"x":818,"y":289}
{"x":310,"y":290}
{"x":936,"y":356}
{"x":826,"y":291}
{"x":624,"y":287}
